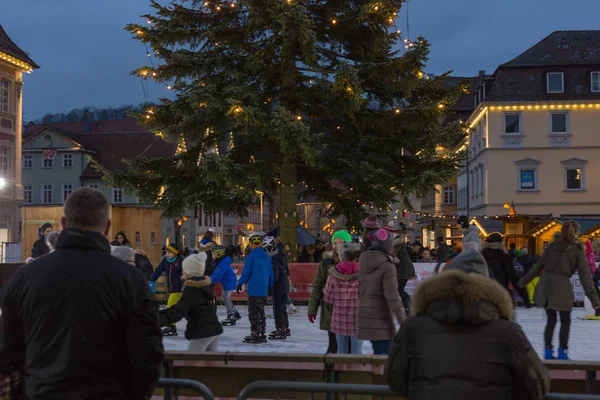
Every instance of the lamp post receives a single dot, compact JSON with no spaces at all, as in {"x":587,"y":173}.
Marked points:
{"x":2,"y":183}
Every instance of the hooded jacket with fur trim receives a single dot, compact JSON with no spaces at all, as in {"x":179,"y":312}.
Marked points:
{"x":463,"y":345}
{"x":198,"y":305}
{"x":341,"y":292}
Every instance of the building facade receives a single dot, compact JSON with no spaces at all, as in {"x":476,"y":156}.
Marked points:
{"x":533,"y":137}
{"x":13,"y":63}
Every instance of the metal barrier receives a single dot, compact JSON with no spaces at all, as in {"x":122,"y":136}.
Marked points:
{"x":171,"y":385}
{"x":570,"y":396}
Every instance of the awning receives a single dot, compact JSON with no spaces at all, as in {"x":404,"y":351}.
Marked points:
{"x":587,"y":225}
{"x":304,"y":237}
{"x":250,"y":233}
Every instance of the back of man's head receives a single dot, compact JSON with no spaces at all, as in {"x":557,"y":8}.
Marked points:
{"x":88,"y":210}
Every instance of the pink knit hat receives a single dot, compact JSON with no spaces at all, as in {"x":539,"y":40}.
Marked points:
{"x":371,"y":222}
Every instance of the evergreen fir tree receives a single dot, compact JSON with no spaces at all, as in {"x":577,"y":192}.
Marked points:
{"x":283,"y":96}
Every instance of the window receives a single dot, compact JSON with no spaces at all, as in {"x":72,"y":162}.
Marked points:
{"x":512,"y":123}
{"x":66,"y":190}
{"x":27,"y":161}
{"x":4,"y":161}
{"x":449,"y":195}
{"x":117,"y":195}
{"x":67,"y":160}
{"x":574,"y":178}
{"x":93,"y":186}
{"x":555,"y":82}
{"x":4,"y":95}
{"x":527,"y":179}
{"x":559,"y":122}
{"x":28,"y":194}
{"x":595,"y":81}
{"x":46,"y":194}
{"x":482,"y":178}
{"x":47,"y":163}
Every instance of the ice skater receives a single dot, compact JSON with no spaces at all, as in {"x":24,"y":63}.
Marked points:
{"x":258,"y":275}
{"x":224,"y":275}
{"x":280,"y":290}
{"x":171,"y":267}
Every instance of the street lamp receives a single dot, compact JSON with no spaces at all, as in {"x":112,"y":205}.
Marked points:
{"x":2,"y":183}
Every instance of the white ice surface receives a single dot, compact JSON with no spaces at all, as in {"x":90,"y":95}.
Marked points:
{"x":584,"y":343}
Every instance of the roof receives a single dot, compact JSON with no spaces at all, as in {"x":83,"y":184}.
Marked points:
{"x":561,"y":48}
{"x":585,"y":224}
{"x":9,"y":47}
{"x":111,"y":141}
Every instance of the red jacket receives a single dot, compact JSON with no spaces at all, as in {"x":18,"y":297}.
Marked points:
{"x":341,"y":292}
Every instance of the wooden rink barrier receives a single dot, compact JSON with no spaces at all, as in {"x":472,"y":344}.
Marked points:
{"x":226,"y":374}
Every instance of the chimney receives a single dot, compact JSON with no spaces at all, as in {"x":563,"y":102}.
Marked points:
{"x":481,"y":72}
{"x":88,"y":118}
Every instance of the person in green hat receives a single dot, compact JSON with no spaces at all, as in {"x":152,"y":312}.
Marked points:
{"x":316,"y":295}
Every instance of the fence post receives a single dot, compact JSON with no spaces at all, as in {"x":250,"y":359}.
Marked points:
{"x":590,"y":382}
{"x":168,"y":368}
{"x":330,"y":377}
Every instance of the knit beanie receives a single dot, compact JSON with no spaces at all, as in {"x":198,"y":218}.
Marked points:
{"x":469,"y":261}
{"x":173,"y":248}
{"x":371,"y":222}
{"x":195,"y":264}
{"x":383,"y":239}
{"x":495,"y":237}
{"x":342,"y":234}
{"x":123,"y":253}
{"x":347,"y":248}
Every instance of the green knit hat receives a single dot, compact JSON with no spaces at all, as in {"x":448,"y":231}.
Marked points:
{"x":343,"y":234}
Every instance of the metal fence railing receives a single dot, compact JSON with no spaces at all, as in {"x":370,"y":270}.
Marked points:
{"x":170,"y":387}
{"x":570,"y":396}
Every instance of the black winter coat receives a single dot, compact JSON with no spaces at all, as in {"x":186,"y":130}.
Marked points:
{"x":40,"y":248}
{"x":199,"y":306}
{"x":500,"y":263}
{"x":462,"y":345}
{"x":83,"y":323}
{"x":144,"y":266}
{"x":405,"y":269}
{"x":281,"y":274}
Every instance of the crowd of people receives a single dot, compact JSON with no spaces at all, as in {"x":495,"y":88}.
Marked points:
{"x":102,"y":338}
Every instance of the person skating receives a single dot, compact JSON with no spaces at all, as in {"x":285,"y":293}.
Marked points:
{"x":40,"y":247}
{"x":470,"y":232}
{"x":462,"y":343}
{"x":280,"y":290}
{"x":444,"y":252}
{"x":171,"y":267}
{"x":341,"y":292}
{"x":316,"y":294}
{"x":205,"y":246}
{"x":258,"y":276}
{"x":378,"y":298}
{"x":563,"y":257}
{"x":405,"y":269}
{"x":197,"y":305}
{"x":224,"y":275}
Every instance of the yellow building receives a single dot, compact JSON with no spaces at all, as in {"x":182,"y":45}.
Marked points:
{"x":13,"y":63}
{"x":534,"y":133}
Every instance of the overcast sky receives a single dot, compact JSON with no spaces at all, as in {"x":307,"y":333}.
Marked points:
{"x":86,"y":56}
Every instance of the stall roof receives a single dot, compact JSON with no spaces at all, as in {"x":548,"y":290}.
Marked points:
{"x":585,"y":224}
{"x":304,"y":237}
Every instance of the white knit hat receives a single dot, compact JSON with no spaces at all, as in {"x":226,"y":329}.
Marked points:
{"x":195,"y":264}
{"x":123,"y":253}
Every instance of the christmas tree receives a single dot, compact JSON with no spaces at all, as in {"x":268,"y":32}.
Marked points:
{"x":283,"y":96}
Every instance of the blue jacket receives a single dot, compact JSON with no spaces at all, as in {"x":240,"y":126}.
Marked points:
{"x":172,"y":274}
{"x":257,"y":273}
{"x":224,"y":274}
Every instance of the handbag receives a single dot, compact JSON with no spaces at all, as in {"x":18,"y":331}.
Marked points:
{"x":12,"y":385}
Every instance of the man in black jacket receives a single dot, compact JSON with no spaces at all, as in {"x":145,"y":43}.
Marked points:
{"x":82,"y":323}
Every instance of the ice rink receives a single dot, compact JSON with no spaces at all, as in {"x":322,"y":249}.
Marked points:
{"x":307,"y":338}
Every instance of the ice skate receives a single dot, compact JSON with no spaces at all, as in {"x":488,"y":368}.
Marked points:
{"x":169,"y":331}
{"x":288,"y":332}
{"x":236,"y":315}
{"x":254,"y":338}
{"x":291,"y":309}
{"x":279,"y":334}
{"x":230,"y":320}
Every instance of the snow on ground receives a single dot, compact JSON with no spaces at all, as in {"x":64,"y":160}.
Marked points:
{"x":307,"y":338}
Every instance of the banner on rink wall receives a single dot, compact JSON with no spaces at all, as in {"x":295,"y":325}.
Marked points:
{"x":302,"y":277}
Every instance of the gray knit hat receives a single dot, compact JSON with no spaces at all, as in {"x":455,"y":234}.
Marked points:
{"x":124,"y":253}
{"x":384,"y":239}
{"x":470,"y":261}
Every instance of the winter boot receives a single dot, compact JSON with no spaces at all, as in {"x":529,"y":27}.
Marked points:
{"x":169,"y":330}
{"x":562,"y":354}
{"x":291,"y":309}
{"x":230,"y":320}
{"x":549,"y":353}
{"x":236,"y":315}
{"x":288,"y":332}
{"x":254,"y":338}
{"x":279,"y":334}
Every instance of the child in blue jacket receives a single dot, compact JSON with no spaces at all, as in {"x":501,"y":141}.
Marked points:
{"x":258,"y":274}
{"x":224,"y":275}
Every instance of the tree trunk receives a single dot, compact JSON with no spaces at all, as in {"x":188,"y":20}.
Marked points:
{"x":288,"y":218}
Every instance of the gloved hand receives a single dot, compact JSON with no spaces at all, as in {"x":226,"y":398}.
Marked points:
{"x":311,"y":318}
{"x":238,"y":289}
{"x":152,"y":286}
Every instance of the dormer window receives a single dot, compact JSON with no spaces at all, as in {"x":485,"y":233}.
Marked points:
{"x":555,"y":82}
